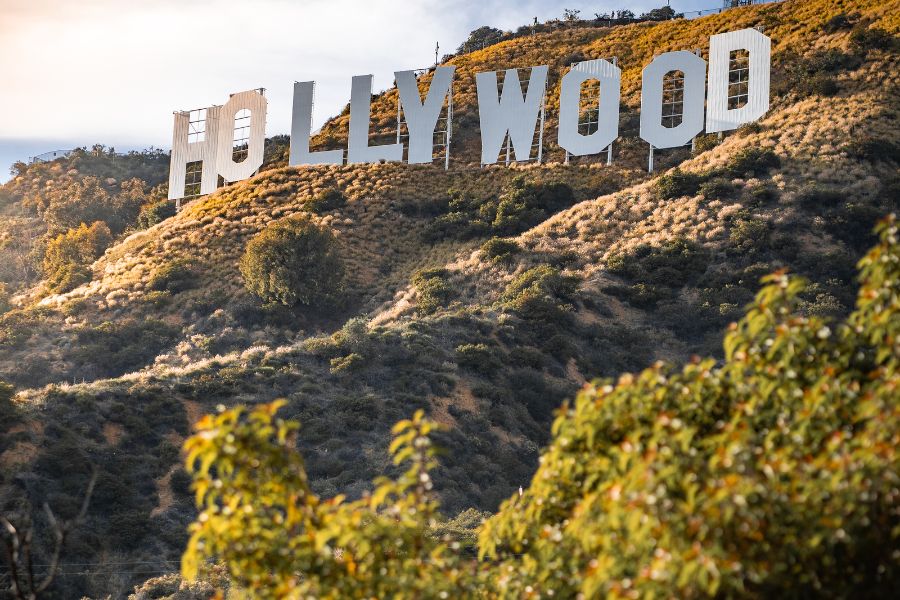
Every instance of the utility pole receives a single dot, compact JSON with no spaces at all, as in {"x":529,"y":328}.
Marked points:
{"x":437,"y":49}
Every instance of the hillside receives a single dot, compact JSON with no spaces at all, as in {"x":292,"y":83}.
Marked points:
{"x":617,"y":270}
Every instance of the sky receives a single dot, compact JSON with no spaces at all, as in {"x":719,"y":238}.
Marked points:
{"x":113,"y":71}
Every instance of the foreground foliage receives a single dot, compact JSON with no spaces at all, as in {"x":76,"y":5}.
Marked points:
{"x":773,"y":474}
{"x":279,"y":540}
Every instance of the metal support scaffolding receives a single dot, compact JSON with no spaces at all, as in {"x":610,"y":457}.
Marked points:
{"x":738,"y":79}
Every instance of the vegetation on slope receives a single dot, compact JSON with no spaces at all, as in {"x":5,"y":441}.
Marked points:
{"x":773,"y":473}
{"x":293,"y":261}
{"x":487,"y":334}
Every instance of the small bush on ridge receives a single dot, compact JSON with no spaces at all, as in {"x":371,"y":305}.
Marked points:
{"x":293,"y":261}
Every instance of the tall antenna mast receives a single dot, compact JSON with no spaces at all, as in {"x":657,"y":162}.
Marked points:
{"x":437,"y":49}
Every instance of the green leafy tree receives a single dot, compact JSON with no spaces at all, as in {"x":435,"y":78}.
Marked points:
{"x":479,"y":38}
{"x":89,"y":200}
{"x":68,"y":256}
{"x":293,"y":261}
{"x":155,"y":212}
{"x":525,"y":204}
{"x":664,"y":13}
{"x":279,"y":540}
{"x":774,"y":474}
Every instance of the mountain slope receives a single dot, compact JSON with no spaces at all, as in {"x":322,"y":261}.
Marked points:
{"x":630,"y":269}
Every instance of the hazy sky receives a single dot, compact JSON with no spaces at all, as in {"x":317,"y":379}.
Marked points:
{"x":112,"y":71}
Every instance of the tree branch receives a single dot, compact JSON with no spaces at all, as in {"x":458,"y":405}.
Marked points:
{"x":11,"y":546}
{"x":18,"y":548}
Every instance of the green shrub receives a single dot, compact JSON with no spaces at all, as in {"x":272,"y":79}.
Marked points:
{"x":674,"y":263}
{"x":852,"y":224}
{"x":864,"y":38}
{"x":764,"y":194}
{"x":434,"y":290}
{"x":347,"y":364}
{"x":357,"y":412}
{"x":676,"y":184}
{"x":831,"y":60}
{"x":114,"y":348}
{"x":479,"y":358}
{"x":155,"y":212}
{"x":293,"y":261}
{"x":326,"y":201}
{"x":479,"y":38}
{"x":524,"y":356}
{"x":499,"y":249}
{"x":180,"y":484}
{"x":823,"y":85}
{"x":353,"y":336}
{"x":717,"y":188}
{"x":753,"y":160}
{"x":5,"y":297}
{"x":88,"y":200}
{"x":524,"y":204}
{"x":748,"y":129}
{"x":540,"y":293}
{"x":68,"y":256}
{"x":814,"y":73}
{"x":837,"y":23}
{"x":867,"y":147}
{"x":749,"y":236}
{"x":641,"y":295}
{"x":521,"y":205}
{"x":704,"y":142}
{"x":818,"y":198}
{"x":175,"y":276}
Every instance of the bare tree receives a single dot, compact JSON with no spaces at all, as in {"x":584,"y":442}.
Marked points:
{"x":23,"y":584}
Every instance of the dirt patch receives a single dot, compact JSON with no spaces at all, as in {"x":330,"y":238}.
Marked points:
{"x":440,"y":413}
{"x":164,"y":491}
{"x":464,"y":398}
{"x":573,"y":372}
{"x":194,"y":410}
{"x":21,"y":453}
{"x":35,"y":427}
{"x":112,"y":433}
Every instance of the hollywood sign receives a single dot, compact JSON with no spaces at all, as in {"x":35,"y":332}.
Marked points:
{"x":228,"y":141}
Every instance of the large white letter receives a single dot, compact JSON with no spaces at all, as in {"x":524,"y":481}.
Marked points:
{"x":256,"y":103}
{"x":185,"y":151}
{"x":422,"y":117}
{"x":359,"y":150}
{"x":652,"y":129}
{"x":301,"y":128}
{"x":758,"y":77}
{"x":511,"y":113}
{"x":610,"y":78}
